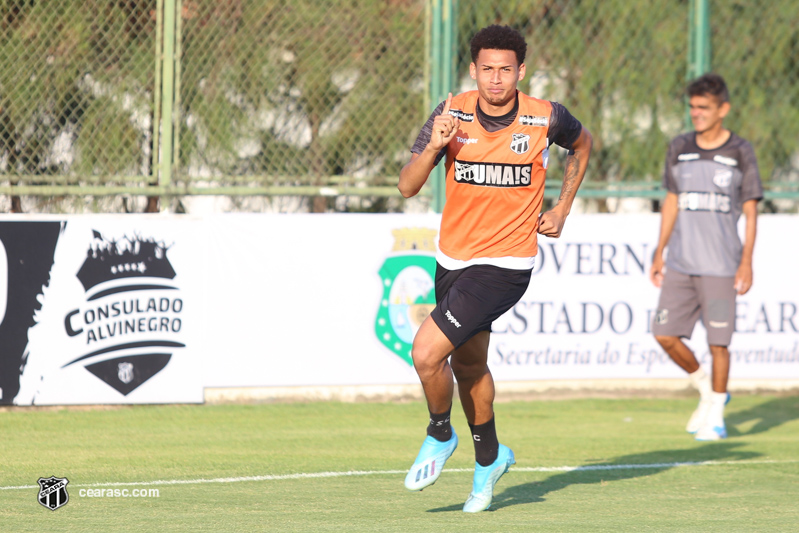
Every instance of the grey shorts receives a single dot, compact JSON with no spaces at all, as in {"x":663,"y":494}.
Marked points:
{"x":684,"y":298}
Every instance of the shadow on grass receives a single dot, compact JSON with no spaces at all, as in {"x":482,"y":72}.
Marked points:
{"x":624,"y":467}
{"x":765,"y":416}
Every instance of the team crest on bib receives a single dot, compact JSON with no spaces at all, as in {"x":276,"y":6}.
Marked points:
{"x":520,"y":143}
{"x":723,"y":178}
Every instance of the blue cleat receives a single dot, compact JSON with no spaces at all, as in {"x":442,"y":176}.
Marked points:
{"x":430,"y":462}
{"x":485,"y":477}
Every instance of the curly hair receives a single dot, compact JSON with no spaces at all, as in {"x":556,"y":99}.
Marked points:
{"x":496,"y":37}
{"x":709,"y":84}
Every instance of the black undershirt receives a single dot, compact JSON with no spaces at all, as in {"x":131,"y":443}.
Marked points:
{"x":491,"y":123}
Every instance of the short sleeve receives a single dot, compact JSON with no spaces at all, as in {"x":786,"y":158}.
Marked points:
{"x":669,"y":180}
{"x":564,"y":129}
{"x":423,"y":138}
{"x":751,"y":186}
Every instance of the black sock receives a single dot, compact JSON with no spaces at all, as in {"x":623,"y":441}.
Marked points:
{"x":486,"y":445}
{"x":439,"y":427}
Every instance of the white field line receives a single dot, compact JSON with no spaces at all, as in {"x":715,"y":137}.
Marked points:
{"x":315,"y":475}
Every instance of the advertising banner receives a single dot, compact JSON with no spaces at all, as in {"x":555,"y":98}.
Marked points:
{"x":337,"y":299}
{"x":152,"y":309}
{"x":304,"y":299}
{"x":589,"y":308}
{"x":100,"y":310}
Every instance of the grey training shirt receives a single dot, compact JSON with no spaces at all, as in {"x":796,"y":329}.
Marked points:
{"x":711,"y":188}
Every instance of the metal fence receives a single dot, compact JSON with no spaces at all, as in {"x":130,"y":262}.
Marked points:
{"x":321,"y":99}
{"x":757,"y":48}
{"x":618,"y":66}
{"x":78,"y":80}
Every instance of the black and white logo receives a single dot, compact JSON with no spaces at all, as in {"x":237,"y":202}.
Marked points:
{"x":704,"y":201}
{"x":729,"y":161}
{"x":722,"y":178}
{"x":520,"y":143}
{"x":460,"y":115}
{"x":125,"y":372}
{"x":492,"y":174}
{"x":531,"y":120}
{"x":53,"y":492}
{"x":452,"y":319}
{"x":662,"y":317}
{"x":132,"y":311}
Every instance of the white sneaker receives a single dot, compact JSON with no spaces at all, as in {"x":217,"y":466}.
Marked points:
{"x":708,"y":432}
{"x":713,"y":427}
{"x":700,"y":415}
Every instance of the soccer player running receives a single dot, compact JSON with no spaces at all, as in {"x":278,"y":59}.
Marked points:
{"x":711,"y":176}
{"x":496,"y":141}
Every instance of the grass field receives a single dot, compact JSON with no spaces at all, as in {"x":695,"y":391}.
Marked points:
{"x":340,"y":467}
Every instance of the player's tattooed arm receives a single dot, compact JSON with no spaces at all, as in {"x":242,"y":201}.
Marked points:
{"x":571,"y":178}
{"x":551,"y":222}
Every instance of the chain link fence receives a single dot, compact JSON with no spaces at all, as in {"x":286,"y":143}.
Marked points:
{"x":618,"y":66}
{"x":77,"y":84}
{"x":757,"y":49}
{"x":315,"y":103}
{"x":299,"y":93}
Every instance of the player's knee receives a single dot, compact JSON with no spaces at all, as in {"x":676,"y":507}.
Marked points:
{"x":468,"y":371}
{"x":667,"y":342}
{"x":424,"y":359}
{"x":717,"y":350}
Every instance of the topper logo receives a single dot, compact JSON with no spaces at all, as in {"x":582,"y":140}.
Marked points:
{"x":452,"y":319}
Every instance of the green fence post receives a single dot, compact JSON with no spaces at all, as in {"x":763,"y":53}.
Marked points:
{"x":156,"y":125}
{"x":176,"y":118}
{"x":167,"y":95}
{"x":453,"y":46}
{"x":698,"y":43}
{"x":435,"y":51}
{"x":443,"y":50}
{"x":436,"y":83}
